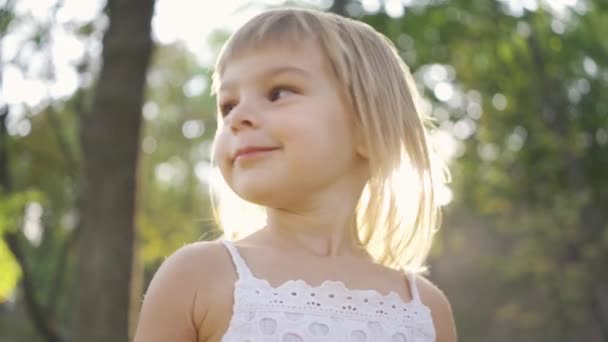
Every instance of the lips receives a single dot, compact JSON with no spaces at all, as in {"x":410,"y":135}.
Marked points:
{"x":250,"y":151}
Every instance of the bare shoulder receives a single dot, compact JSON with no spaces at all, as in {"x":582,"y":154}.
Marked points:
{"x":440,"y":307}
{"x":201,"y":257}
{"x":173,"y":309}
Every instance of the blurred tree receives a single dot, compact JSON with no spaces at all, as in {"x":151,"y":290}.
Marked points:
{"x":110,"y":134}
{"x":177,"y":148}
{"x":33,"y":256}
{"x":173,"y":206}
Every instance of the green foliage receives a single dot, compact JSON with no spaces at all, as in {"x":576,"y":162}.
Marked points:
{"x":11,"y":212}
{"x":12,"y":207}
{"x":533,"y":169}
{"x":180,"y":122}
{"x":11,"y":273}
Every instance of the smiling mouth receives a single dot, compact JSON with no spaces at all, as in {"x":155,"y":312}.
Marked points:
{"x":253,"y":153}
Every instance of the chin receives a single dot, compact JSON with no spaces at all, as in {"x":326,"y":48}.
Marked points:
{"x":260,"y":193}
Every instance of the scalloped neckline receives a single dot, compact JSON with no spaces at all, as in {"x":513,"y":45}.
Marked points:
{"x":391,"y":296}
{"x":339,"y":285}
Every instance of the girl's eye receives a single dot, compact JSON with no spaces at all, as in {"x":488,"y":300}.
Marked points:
{"x":275,"y":94}
{"x":278,"y":92}
{"x":226,"y":108}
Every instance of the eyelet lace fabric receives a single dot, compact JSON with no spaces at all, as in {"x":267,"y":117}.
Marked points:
{"x":298,"y":312}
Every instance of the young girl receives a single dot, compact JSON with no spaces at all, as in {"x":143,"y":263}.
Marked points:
{"x":319,"y":125}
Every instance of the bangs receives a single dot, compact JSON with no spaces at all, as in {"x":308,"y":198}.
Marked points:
{"x":282,"y":29}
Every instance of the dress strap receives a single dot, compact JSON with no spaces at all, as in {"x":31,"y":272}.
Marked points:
{"x":411,"y":277}
{"x":242,"y":269}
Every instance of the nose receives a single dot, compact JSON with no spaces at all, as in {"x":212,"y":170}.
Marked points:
{"x":243,"y":116}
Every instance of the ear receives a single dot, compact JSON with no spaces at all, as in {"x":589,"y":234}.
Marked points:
{"x":362,"y":148}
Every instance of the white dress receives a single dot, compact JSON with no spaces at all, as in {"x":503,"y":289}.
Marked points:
{"x":298,"y":312}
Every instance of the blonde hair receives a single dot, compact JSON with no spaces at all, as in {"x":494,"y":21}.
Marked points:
{"x":380,"y":89}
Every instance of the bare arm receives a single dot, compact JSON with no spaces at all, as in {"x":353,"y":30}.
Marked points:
{"x":167,"y":313}
{"x":440,"y":310}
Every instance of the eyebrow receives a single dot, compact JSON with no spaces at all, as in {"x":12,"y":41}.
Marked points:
{"x":269,"y":73}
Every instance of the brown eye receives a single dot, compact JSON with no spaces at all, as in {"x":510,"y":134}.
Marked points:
{"x":226,"y":108}
{"x":278,"y":92}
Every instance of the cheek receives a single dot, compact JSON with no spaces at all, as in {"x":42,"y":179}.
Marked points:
{"x":219,"y":148}
{"x":319,"y":142}
{"x":307,"y":137}
{"x":221,"y":154}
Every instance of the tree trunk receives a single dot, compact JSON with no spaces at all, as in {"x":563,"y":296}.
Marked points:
{"x":110,"y":134}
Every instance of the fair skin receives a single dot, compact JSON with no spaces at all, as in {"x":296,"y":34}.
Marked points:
{"x":285,"y":101}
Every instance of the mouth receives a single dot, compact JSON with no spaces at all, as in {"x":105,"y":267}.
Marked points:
{"x":252,"y":152}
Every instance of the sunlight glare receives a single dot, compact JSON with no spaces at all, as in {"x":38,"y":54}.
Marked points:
{"x":238,"y":218}
{"x":17,"y":89}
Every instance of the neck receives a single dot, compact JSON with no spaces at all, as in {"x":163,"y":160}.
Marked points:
{"x":327,"y":228}
{"x":321,"y":222}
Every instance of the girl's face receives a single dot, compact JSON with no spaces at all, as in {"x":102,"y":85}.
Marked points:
{"x":286,"y":132}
